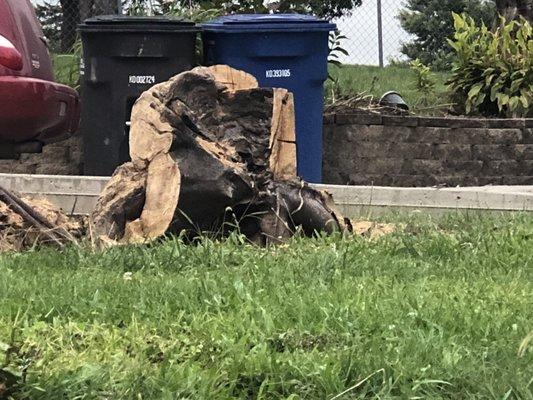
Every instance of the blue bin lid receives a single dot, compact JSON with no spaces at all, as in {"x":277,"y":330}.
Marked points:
{"x":268,"y":23}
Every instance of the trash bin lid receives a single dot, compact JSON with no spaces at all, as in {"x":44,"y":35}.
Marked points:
{"x":124,"y":23}
{"x":268,"y":23}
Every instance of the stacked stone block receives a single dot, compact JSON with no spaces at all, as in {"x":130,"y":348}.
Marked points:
{"x":61,"y":158}
{"x":381,"y":150}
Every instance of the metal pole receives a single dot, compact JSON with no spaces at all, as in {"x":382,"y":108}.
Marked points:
{"x":119,"y":7}
{"x":380,"y":36}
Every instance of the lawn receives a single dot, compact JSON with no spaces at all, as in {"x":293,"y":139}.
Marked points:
{"x":437,"y":310}
{"x":375,"y":81}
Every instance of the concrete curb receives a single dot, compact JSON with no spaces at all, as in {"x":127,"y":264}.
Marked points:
{"x":78,"y":195}
{"x":354,"y":200}
{"x":74,"y":194}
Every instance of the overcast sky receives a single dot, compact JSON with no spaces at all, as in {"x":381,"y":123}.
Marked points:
{"x":361,"y":30}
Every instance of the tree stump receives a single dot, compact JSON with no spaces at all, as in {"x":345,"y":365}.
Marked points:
{"x":211,"y":152}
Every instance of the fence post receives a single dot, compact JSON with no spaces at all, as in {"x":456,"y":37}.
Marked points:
{"x":119,"y":7}
{"x":380,"y":35}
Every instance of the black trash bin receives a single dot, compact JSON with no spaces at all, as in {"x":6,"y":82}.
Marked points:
{"x":123,"y":57}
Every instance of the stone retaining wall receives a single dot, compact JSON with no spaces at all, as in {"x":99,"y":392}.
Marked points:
{"x":382,"y":150}
{"x":62,"y":158}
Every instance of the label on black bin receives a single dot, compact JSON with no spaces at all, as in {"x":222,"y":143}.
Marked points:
{"x":142,"y":79}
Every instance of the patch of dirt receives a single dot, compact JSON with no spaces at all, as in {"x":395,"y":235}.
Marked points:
{"x":373,"y":230}
{"x":16,"y":234}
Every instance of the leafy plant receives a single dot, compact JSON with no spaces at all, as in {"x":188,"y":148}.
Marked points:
{"x":430,"y":21}
{"x":137,"y":8}
{"x":425,"y":82}
{"x":493,"y":70}
{"x":194,"y":14}
{"x":335,"y":52}
{"x":67,"y":66}
{"x":428,"y":100}
{"x":336,"y":49}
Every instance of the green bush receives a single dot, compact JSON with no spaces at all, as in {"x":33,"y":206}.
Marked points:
{"x":67,"y":66}
{"x":493,"y":70}
{"x":424,"y":83}
{"x":429,"y":21}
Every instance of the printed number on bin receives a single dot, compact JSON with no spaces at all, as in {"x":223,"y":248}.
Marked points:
{"x":142,"y":79}
{"x":278,"y":73}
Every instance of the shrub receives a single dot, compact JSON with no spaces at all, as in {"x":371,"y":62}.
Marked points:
{"x":429,"y":21}
{"x":67,"y":66}
{"x":493,"y":70}
{"x":425,"y":82}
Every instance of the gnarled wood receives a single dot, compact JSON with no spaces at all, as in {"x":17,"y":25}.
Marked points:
{"x":229,"y":78}
{"x":121,"y":201}
{"x":283,"y":136}
{"x":211,"y":150}
{"x":160,"y":202}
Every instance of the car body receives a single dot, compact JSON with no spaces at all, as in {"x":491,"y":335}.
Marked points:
{"x":34,"y":110}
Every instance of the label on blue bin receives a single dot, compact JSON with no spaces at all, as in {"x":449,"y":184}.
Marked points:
{"x":278,"y":73}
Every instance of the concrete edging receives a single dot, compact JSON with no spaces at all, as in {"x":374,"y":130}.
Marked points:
{"x":354,"y":199}
{"x":78,"y":195}
{"x":73,"y":194}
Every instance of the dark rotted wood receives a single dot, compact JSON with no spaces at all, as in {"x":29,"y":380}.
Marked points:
{"x":122,"y":200}
{"x":217,"y":128}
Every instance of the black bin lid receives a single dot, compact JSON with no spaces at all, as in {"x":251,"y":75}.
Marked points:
{"x":124,"y":23}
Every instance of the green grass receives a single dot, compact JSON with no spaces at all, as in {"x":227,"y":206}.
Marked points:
{"x":435,"y":311}
{"x":66,"y":69}
{"x":375,"y":81}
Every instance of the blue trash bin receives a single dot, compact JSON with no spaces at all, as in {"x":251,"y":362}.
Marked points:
{"x":281,"y":50}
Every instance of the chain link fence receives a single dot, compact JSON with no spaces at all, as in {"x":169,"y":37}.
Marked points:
{"x":60,"y":19}
{"x":373,"y":32}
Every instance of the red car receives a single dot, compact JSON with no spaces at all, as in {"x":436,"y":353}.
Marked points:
{"x":34,"y":110}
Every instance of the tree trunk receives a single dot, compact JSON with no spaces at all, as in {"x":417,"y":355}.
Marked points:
{"x":512,"y":9}
{"x":212,"y":152}
{"x":86,"y":9}
{"x":75,"y":11}
{"x":525,"y":8}
{"x":69,"y":24}
{"x":105,"y":7}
